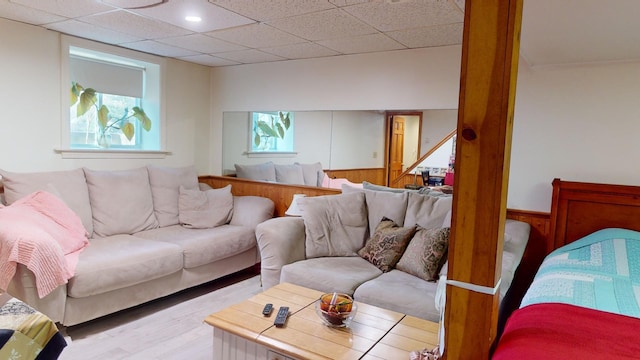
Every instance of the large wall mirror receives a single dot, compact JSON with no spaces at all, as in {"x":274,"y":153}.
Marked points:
{"x":344,"y":139}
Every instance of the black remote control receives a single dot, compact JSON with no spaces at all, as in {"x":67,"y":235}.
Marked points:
{"x":268,"y":308}
{"x":281,"y":317}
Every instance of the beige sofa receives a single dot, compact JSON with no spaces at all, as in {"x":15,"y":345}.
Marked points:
{"x":148,"y":238}
{"x":321,"y":249}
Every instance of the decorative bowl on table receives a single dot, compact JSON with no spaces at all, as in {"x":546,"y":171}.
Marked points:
{"x":336,"y":309}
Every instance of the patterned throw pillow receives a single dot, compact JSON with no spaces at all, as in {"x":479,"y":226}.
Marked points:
{"x":387,"y":244}
{"x":426,"y":253}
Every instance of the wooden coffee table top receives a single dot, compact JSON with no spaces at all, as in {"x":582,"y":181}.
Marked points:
{"x":374,"y":333}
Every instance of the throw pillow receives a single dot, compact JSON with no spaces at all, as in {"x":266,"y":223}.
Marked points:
{"x":289,"y":174}
{"x":205,"y":209}
{"x":121,"y":201}
{"x":387,"y":244}
{"x":335,"y":225}
{"x":426,"y":253}
{"x":261,"y":172}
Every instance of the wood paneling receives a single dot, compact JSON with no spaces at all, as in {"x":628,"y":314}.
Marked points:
{"x":372,"y":175}
{"x":489,"y":65}
{"x":281,"y":194}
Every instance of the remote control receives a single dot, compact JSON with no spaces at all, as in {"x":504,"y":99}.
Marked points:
{"x":267,"y":310}
{"x":281,"y":317}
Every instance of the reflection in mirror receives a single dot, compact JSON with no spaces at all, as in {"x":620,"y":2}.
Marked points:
{"x":345,"y":142}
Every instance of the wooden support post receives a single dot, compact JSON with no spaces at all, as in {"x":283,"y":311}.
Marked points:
{"x":485,"y":118}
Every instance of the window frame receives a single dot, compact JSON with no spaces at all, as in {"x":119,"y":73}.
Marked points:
{"x":252,"y":152}
{"x":152,"y":100}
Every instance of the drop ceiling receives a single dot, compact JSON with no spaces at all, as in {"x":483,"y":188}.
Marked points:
{"x":234,"y":32}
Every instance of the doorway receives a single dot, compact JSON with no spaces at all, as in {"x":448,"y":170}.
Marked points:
{"x":402,"y":142}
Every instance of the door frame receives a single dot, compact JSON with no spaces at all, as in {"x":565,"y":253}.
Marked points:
{"x":388,"y":133}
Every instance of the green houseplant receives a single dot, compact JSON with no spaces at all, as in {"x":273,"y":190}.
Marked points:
{"x":108,"y":121}
{"x":275,"y":128}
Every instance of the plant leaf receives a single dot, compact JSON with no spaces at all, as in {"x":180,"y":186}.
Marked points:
{"x":128,"y":130}
{"x":280,"y":130}
{"x":139,"y":114}
{"x":103,"y":116}
{"x":75,"y":92}
{"x":256,"y":139}
{"x":285,"y":120}
{"x":88,"y":99}
{"x":267,"y":129}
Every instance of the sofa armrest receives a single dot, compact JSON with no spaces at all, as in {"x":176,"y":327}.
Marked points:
{"x":251,"y":210}
{"x":281,"y":241}
{"x":23,"y":287}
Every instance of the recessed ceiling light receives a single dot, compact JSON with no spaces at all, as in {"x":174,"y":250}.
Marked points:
{"x":193,"y":18}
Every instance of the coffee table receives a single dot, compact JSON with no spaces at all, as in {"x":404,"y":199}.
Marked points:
{"x":242,"y":332}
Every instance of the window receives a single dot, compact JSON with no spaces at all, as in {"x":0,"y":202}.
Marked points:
{"x":113,"y":99}
{"x":271,"y":132}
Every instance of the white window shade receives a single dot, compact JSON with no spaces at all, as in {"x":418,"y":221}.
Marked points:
{"x":108,"y":78}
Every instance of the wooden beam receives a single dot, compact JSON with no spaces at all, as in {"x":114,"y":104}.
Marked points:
{"x":485,"y":118}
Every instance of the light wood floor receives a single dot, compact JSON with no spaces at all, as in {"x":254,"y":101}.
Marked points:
{"x":168,"y":328}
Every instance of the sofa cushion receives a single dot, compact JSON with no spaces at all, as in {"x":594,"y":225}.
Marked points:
{"x":427,"y":211}
{"x":120,"y":261}
{"x":204,"y":246}
{"x":382,"y":204}
{"x":329,"y":274}
{"x":165,"y":190}
{"x":426,"y":253}
{"x":335,"y":225}
{"x":312,"y":173}
{"x":70,"y":186}
{"x":262,"y":172}
{"x":387,"y":244}
{"x":289,"y":174}
{"x":205,"y":209}
{"x":121,"y":201}
{"x":400,"y":292}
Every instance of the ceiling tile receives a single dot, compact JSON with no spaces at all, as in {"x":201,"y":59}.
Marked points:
{"x":135,"y":25}
{"x":92,"y":32}
{"x":389,"y":16}
{"x":273,"y":9}
{"x":256,"y":36}
{"x":130,"y":4}
{"x":249,"y":56}
{"x":362,"y":44}
{"x":301,"y":51}
{"x":429,"y":36}
{"x":346,"y":2}
{"x":155,"y":47}
{"x":9,"y":10}
{"x":323,"y":25}
{"x":67,"y":8}
{"x":201,"y":43}
{"x":213,"y":17}
{"x":208,"y":60}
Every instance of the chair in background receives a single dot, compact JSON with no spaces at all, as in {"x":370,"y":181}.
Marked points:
{"x":425,"y":177}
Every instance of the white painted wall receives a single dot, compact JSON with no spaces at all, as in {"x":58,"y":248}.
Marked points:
{"x":574,"y":122}
{"x":578,"y":123}
{"x":30,"y":99}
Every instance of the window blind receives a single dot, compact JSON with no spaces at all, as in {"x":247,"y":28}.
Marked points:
{"x":105,"y":77}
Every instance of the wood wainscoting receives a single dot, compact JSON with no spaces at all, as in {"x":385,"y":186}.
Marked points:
{"x":372,"y":175}
{"x":280,"y":194}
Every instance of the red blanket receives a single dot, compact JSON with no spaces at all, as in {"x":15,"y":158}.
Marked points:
{"x":561,"y":331}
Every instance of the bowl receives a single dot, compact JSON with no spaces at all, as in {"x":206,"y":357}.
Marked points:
{"x":336,"y":309}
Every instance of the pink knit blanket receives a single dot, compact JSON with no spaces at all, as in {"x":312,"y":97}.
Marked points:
{"x":42,"y":233}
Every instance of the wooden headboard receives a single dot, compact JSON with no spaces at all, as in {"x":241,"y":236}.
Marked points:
{"x":578,"y":209}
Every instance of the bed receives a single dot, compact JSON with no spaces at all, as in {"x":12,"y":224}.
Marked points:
{"x":584,"y":301}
